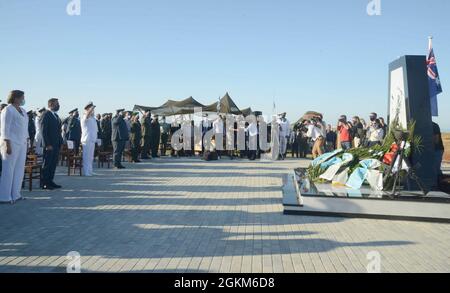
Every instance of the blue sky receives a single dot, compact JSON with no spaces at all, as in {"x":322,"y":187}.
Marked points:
{"x":328,"y":56}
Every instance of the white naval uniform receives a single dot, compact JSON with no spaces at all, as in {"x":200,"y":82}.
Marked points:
{"x":218,"y":133}
{"x":14,"y":127}
{"x":38,"y":140}
{"x":252,"y":130}
{"x":284,"y":134}
{"x":89,"y":133}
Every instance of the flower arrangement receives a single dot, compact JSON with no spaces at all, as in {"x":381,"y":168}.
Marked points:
{"x":364,"y":164}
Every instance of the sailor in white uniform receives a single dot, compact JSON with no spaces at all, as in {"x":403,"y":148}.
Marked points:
{"x":89,"y":132}
{"x":284,"y":128}
{"x":38,"y":140}
{"x":14,"y":144}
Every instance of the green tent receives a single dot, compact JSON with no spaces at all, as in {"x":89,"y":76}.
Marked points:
{"x":172,"y":107}
{"x":143,"y":108}
{"x":247,"y":112}
{"x":227,"y":106}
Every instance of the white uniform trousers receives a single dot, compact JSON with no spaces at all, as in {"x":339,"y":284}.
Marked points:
{"x":13,"y":169}
{"x":39,"y":149}
{"x":283,"y":144}
{"x":88,"y":158}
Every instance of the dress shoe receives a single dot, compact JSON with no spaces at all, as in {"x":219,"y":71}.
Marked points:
{"x":54,"y":185}
{"x":47,"y":187}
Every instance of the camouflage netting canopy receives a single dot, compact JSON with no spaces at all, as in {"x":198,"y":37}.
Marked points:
{"x":171,"y":107}
{"x":226,"y":106}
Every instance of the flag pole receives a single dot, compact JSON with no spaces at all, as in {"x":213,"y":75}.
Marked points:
{"x":430,"y":40}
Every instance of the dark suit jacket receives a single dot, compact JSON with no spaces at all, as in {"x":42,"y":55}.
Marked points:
{"x":51,"y":130}
{"x":146,"y":125}
{"x":99,"y":128}
{"x":119,"y":129}
{"x":74,"y":129}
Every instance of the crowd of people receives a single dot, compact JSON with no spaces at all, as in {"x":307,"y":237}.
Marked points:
{"x":315,"y":137}
{"x":44,"y":133}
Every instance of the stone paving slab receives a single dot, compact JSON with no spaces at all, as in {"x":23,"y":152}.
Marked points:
{"x":186,"y":215}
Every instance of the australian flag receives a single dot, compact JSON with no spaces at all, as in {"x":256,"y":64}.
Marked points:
{"x":433,"y":79}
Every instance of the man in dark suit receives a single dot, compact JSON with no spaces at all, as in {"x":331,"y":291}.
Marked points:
{"x":155,"y":136}
{"x":74,"y":130}
{"x":119,"y":137}
{"x":51,"y":133}
{"x":105,"y":125}
{"x":98,"y":118}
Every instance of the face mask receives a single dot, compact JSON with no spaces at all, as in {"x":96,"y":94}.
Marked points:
{"x":56,"y":109}
{"x":22,"y":103}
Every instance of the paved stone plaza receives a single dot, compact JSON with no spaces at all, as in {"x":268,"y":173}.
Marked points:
{"x":180,"y":215}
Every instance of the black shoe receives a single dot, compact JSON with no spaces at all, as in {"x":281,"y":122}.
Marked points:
{"x":145,"y":158}
{"x":54,"y":185}
{"x":47,"y":187}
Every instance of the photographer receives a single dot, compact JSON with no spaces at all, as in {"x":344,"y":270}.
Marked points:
{"x":317,"y":133}
{"x":330,"y":139}
{"x":357,"y":132}
{"x":344,"y":129}
{"x":302,"y":138}
{"x":375,"y":133}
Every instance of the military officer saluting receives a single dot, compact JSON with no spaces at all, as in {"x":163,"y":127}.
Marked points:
{"x":135,"y":137}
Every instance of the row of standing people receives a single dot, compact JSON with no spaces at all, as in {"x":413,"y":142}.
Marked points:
{"x":316,"y":137}
{"x":45,"y":132}
{"x":15,"y":142}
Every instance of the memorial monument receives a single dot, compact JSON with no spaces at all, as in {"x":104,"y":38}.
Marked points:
{"x":354,"y":183}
